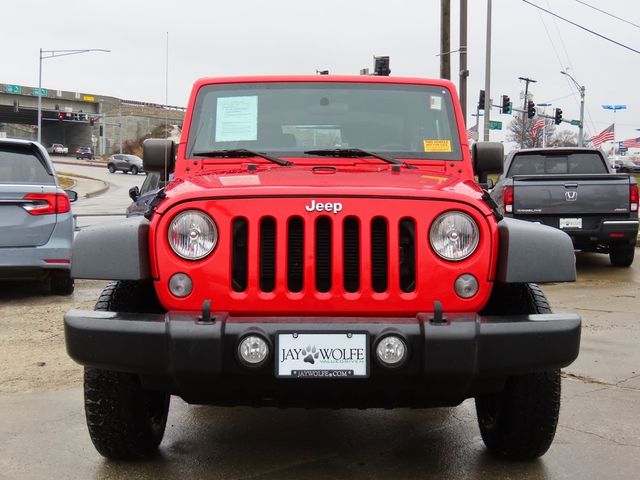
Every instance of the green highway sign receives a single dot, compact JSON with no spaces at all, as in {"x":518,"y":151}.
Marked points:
{"x":13,"y":89}
{"x":495,"y":125}
{"x":43,"y":92}
{"x":575,"y":122}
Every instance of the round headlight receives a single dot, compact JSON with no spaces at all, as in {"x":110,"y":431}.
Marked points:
{"x":193,"y":235}
{"x":454,"y":236}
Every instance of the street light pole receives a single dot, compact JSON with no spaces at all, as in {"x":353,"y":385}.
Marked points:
{"x":581,"y":90}
{"x":50,"y":54}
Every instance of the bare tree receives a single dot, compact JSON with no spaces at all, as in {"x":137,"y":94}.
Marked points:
{"x":564,"y":138}
{"x":515,"y":127}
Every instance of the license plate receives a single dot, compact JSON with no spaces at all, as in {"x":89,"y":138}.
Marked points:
{"x":322,"y":355}
{"x":570,"y":223}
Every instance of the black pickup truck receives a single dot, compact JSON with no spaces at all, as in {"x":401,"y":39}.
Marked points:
{"x":575,"y":190}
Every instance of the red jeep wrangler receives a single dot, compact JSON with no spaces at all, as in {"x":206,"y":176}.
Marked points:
{"x":323,"y":243}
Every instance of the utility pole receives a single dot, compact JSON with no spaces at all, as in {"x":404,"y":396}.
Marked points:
{"x":487,"y":77}
{"x":581,"y":90}
{"x":445,"y":39}
{"x":524,"y":106}
{"x":464,"y":72}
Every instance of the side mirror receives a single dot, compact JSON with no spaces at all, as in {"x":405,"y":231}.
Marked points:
{"x":72,"y":194}
{"x":134,"y":193}
{"x":488,"y":157}
{"x":159,"y":155}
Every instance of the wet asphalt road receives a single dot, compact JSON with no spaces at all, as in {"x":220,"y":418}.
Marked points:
{"x":44,"y":434}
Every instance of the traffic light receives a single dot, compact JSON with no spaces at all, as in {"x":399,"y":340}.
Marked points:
{"x":531,"y":109}
{"x":101,"y":131}
{"x":16,"y":106}
{"x":506,"y":104}
{"x":92,"y":121}
{"x":558,"y":116}
{"x":61,"y":116}
{"x":481,"y":100}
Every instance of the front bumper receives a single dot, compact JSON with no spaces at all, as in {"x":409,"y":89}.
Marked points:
{"x":464,"y":356}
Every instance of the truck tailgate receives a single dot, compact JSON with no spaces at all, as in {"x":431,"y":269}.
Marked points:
{"x":571,"y":194}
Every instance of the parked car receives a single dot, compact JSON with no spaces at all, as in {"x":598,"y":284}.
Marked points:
{"x":142,"y":196}
{"x":626,"y":165}
{"x":125,"y":163}
{"x":575,"y":190}
{"x":58,"y":149}
{"x":84,"y":152}
{"x":36,"y":219}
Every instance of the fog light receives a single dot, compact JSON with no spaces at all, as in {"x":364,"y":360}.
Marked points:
{"x":391,"y":350}
{"x":253,"y":350}
{"x":466,"y":286}
{"x":180,"y":285}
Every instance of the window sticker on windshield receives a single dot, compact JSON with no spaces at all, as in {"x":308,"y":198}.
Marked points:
{"x":437,"y":146}
{"x":237,"y":119}
{"x":435,"y":102}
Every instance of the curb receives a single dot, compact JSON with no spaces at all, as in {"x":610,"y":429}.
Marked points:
{"x":94,"y":193}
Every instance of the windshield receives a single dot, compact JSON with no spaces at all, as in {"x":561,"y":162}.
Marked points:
{"x":286,"y":119}
{"x":540,"y":164}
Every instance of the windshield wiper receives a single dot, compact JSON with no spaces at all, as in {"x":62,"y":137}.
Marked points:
{"x":357,"y":153}
{"x":242,"y":153}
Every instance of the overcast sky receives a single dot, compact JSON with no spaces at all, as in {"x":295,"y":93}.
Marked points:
{"x":222,"y":38}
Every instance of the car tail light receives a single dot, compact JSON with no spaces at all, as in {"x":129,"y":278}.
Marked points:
{"x":633,"y":198}
{"x":47,"y":203}
{"x":507,"y":199}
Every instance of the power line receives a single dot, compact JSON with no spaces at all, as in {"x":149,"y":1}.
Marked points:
{"x":582,"y":27}
{"x":607,"y":13}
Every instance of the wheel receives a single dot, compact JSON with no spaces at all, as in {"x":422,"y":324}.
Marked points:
{"x":520,"y":422}
{"x":112,"y":168}
{"x":621,"y":256}
{"x":134,"y":170}
{"x":126,"y":421}
{"x":61,"y":282}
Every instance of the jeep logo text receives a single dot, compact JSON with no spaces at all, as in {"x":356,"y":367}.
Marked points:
{"x":335,"y":207}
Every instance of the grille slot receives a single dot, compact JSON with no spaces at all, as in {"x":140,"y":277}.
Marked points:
{"x":379,"y":255}
{"x":267,"y":254}
{"x":351,"y":254}
{"x":323,"y":254}
{"x":239,"y":255}
{"x":295,"y":255}
{"x":407,"y":252}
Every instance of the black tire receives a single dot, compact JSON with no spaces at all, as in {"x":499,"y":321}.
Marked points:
{"x":622,"y":256}
{"x":126,"y":421}
{"x":134,"y":170}
{"x":519,"y":423}
{"x":61,"y":282}
{"x":112,"y":168}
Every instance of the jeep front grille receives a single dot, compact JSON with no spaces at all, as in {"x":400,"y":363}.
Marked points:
{"x":345,"y":254}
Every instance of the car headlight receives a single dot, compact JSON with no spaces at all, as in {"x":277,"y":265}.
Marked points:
{"x":193,"y":234}
{"x":454,"y":236}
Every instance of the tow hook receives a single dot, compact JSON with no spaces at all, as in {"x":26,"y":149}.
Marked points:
{"x":438,"y":317}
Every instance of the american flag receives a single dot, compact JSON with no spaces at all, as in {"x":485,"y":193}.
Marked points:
{"x":607,"y":135}
{"x":631,"y":143}
{"x":471,"y":132}
{"x":537,"y":125}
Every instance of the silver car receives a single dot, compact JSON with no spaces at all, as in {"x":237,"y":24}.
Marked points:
{"x":125,"y":163}
{"x":36,"y":223}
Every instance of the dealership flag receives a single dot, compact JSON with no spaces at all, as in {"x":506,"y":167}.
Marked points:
{"x":631,"y":143}
{"x":471,"y":132}
{"x":537,"y":125}
{"x":607,"y":135}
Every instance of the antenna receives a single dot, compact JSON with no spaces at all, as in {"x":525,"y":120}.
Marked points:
{"x":166,"y":102}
